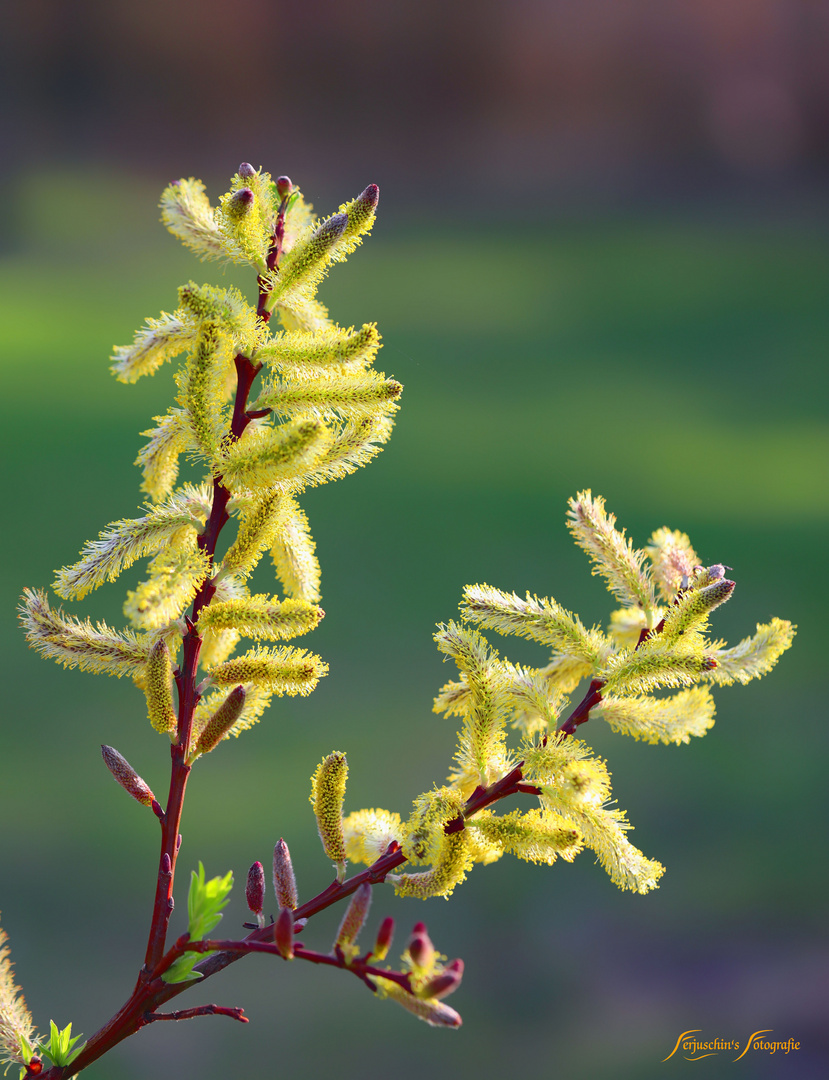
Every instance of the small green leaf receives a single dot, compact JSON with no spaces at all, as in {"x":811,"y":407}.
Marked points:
{"x":205,"y":901}
{"x":61,"y":1043}
{"x":182,"y":969}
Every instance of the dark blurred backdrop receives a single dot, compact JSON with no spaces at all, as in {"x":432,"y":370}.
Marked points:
{"x":600,"y":262}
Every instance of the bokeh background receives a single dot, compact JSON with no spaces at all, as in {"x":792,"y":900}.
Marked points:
{"x":600,"y":262}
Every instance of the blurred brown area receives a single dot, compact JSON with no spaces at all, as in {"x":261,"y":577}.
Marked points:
{"x":473,"y":102}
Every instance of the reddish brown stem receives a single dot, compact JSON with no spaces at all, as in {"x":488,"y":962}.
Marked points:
{"x":200,"y":1010}
{"x":274,"y":253}
{"x":581,"y":713}
{"x":153,"y":991}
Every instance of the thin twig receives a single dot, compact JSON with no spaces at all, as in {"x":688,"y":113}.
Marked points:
{"x":200,"y":1010}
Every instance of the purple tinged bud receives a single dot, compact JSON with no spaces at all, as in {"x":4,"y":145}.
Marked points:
{"x":420,"y":946}
{"x":384,"y":939}
{"x":255,"y":888}
{"x":361,"y":210}
{"x":284,"y":880}
{"x":283,"y":933}
{"x":331,"y":230}
{"x":444,"y":984}
{"x":718,"y":593}
{"x":240,"y":204}
{"x":246,"y":170}
{"x":126,"y":776}
{"x":370,"y":197}
{"x":284,"y":187}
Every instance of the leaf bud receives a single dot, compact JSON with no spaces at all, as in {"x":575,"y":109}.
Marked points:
{"x":255,"y":890}
{"x":284,"y":881}
{"x":220,"y":723}
{"x":421,"y":949}
{"x":283,"y":933}
{"x":284,"y":187}
{"x":240,"y":204}
{"x":445,"y":983}
{"x":246,"y":170}
{"x":355,"y":915}
{"x":126,"y":776}
{"x":383,"y":941}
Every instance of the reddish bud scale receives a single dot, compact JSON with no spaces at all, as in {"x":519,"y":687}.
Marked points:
{"x":283,"y":933}
{"x":284,"y":187}
{"x":126,"y":776}
{"x":442,"y":985}
{"x":421,"y":949}
{"x":255,"y":888}
{"x":384,"y":939}
{"x":246,"y":170}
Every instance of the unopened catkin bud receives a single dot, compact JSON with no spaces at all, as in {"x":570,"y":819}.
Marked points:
{"x":444,"y":984}
{"x":420,"y":946}
{"x":283,"y":933}
{"x":329,"y":232}
{"x":694,"y":607}
{"x":126,"y":776}
{"x":255,"y":890}
{"x":220,"y":722}
{"x":240,"y":204}
{"x":355,"y":915}
{"x":384,"y":939}
{"x":246,"y":170}
{"x":717,"y":592}
{"x":284,"y":187}
{"x":361,"y":210}
{"x":327,"y":797}
{"x":284,"y":880}
{"x":158,"y":688}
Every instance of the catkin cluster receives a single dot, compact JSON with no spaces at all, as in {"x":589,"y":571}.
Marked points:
{"x":318,"y":412}
{"x":656,"y":640}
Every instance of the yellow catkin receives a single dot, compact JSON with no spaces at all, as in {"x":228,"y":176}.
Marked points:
{"x":327,"y":797}
{"x":448,"y":870}
{"x":158,"y":689}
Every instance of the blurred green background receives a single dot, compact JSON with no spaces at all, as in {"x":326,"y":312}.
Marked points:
{"x":666,"y":351}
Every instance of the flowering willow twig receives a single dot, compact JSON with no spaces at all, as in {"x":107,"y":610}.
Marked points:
{"x":320,"y":413}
